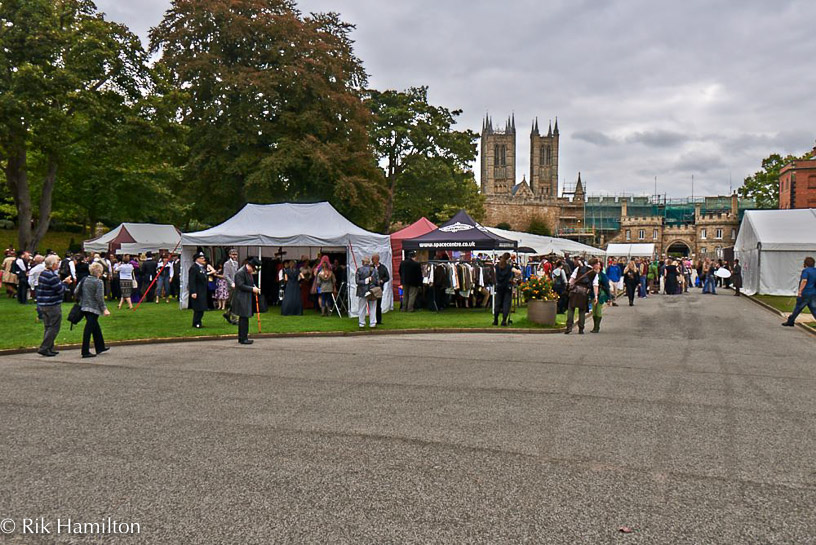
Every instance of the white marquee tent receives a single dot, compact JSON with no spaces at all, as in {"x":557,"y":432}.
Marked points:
{"x":630,"y":250}
{"x":261,"y":229}
{"x":135,"y":238}
{"x":544,"y":245}
{"x":771,"y":246}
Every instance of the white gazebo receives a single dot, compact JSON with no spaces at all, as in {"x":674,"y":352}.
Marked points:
{"x":630,"y":250}
{"x":261,"y":229}
{"x":771,"y":246}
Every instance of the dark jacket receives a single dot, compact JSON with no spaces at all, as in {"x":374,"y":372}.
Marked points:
{"x":197,"y":283}
{"x":382,"y":275}
{"x":504,"y":277}
{"x":365,"y":271}
{"x":50,"y":290}
{"x":242,"y":301}
{"x":149,"y":268}
{"x":411,"y":273}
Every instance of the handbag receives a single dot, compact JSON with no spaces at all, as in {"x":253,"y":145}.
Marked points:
{"x":376,"y":293}
{"x":135,"y":284}
{"x":75,"y":314}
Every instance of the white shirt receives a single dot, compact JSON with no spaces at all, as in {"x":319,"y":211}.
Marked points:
{"x":34,"y":274}
{"x":125,"y":271}
{"x":72,"y":268}
{"x":574,"y":276}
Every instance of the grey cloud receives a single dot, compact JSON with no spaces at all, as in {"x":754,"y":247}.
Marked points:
{"x":700,"y":87}
{"x":593,"y":137}
{"x":659,"y":138}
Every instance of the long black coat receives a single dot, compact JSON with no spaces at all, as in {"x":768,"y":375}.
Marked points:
{"x":242,"y":300}
{"x":197,"y":283}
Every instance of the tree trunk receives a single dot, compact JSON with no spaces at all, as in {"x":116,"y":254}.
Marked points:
{"x":45,"y":204}
{"x":392,"y":189}
{"x":17,"y":180}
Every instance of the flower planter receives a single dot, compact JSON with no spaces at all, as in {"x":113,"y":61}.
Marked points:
{"x":541,"y":312}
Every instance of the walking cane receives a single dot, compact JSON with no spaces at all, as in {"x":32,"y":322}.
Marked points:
{"x":258,"y":312}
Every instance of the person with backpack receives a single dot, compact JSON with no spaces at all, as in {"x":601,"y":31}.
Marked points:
{"x":604,"y":294}
{"x":559,"y":278}
{"x":583,"y":288}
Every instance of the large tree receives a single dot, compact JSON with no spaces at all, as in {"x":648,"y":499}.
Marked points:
{"x":763,"y":186}
{"x":274,"y":109}
{"x":60,"y":61}
{"x":426,"y":162}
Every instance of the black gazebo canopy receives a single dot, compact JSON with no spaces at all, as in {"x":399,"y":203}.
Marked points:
{"x":461,"y":233}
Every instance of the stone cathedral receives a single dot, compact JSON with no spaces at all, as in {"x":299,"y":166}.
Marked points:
{"x":518,"y":204}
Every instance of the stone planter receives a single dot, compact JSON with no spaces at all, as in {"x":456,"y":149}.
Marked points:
{"x":541,"y":312}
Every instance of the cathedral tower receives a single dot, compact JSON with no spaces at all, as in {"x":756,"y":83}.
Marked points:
{"x":544,"y":161}
{"x":498,"y":156}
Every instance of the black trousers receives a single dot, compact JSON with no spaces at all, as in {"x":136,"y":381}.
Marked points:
{"x":503,"y":300}
{"x":197,"y":316}
{"x":92,"y":328}
{"x":243,"y":328}
{"x":379,"y":311}
{"x":22,"y":290}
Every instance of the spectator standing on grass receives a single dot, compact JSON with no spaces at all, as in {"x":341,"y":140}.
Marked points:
{"x":366,"y":278}
{"x":382,"y":279}
{"x":125,"y":271}
{"x":411,"y":276}
{"x":326,"y":286}
{"x":92,"y":301}
{"x":197,"y":288}
{"x":20,"y":268}
{"x":806,"y":293}
{"x":504,"y":289}
{"x":230,"y":269}
{"x":50,"y":294}
{"x":9,"y":278}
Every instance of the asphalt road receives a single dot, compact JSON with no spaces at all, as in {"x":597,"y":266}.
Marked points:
{"x":688,"y":419}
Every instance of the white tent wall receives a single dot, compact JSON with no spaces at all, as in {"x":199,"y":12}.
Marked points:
{"x":354,"y":256}
{"x":771,"y":246}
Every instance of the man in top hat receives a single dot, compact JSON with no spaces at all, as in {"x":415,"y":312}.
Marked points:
{"x":245,"y":291}
{"x":197,"y":288}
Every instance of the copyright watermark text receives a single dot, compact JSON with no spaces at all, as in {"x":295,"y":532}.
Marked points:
{"x":43,"y":526}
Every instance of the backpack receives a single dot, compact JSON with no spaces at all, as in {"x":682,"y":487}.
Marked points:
{"x":64,"y":269}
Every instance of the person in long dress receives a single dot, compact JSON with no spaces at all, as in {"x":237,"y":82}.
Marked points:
{"x":292,"y":304}
{"x":671,"y":278}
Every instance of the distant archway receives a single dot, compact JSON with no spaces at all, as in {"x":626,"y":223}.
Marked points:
{"x":678,"y":248}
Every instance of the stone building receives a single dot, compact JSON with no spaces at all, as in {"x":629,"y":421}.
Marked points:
{"x":674,"y":230}
{"x":519,"y":204}
{"x":797,"y":183}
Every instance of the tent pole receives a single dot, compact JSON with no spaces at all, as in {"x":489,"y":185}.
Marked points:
{"x":260,"y":269}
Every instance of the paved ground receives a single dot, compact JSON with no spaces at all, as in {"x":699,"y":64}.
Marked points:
{"x":689,"y":419}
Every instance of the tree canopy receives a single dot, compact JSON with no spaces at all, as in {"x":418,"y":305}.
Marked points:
{"x":426,"y":162}
{"x":62,"y":63}
{"x":274,"y":107}
{"x":763,"y":185}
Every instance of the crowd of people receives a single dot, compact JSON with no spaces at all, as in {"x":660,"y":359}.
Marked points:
{"x":582,"y":286}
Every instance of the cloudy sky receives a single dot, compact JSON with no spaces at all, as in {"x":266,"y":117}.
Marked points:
{"x":641,"y":88}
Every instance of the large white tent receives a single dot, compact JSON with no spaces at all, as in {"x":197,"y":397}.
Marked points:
{"x":544,"y":245}
{"x":261,"y":229}
{"x":135,"y":238}
{"x":771,"y":246}
{"x":630,"y":250}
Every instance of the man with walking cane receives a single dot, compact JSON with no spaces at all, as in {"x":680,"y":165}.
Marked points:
{"x":242,"y":299}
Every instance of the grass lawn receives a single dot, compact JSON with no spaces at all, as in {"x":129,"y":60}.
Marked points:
{"x":153,"y":321}
{"x":55,"y":240}
{"x":780,"y":302}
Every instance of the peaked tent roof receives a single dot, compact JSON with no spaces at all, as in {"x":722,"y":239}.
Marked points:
{"x":778,"y":230}
{"x":418,"y":228}
{"x":461,"y":232}
{"x":143,"y":236}
{"x":284,"y":224}
{"x":544,"y":245}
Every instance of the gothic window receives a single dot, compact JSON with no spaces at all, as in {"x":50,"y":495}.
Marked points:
{"x":500,"y":155}
{"x":542,"y":160}
{"x":549,"y":155}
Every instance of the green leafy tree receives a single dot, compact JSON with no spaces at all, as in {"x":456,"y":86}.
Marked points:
{"x":59,"y":60}
{"x":539,"y":226}
{"x":426,"y":162}
{"x":763,"y":186}
{"x":274,"y":109}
